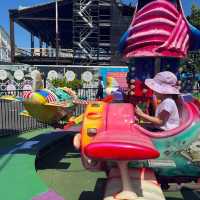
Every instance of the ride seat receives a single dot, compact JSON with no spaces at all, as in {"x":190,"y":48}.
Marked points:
{"x":117,"y":141}
{"x":121,"y":145}
{"x":187,"y":117}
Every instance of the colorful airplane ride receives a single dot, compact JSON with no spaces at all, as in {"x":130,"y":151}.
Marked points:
{"x":47,"y":105}
{"x":51,"y":106}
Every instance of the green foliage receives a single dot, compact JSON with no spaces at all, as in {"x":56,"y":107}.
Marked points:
{"x":192,"y":62}
{"x":197,"y":95}
{"x":194,"y":18}
{"x":194,"y":57}
{"x":74,"y":85}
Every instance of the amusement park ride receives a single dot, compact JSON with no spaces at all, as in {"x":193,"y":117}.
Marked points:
{"x":138,"y":162}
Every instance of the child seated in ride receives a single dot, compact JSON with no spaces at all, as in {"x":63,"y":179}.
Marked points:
{"x":165,"y":88}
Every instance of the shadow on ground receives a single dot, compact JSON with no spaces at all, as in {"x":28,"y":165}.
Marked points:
{"x":190,"y":194}
{"x":97,"y":194}
{"x":50,"y":157}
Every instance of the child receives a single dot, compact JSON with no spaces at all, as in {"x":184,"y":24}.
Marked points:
{"x":38,"y":82}
{"x":164,"y":85}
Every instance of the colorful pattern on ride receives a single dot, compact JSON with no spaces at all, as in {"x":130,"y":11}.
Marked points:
{"x":158,"y":29}
{"x":47,"y":96}
{"x":49,"y":105}
{"x":58,"y":95}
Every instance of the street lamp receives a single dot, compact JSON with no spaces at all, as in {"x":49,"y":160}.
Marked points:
{"x":57,"y":33}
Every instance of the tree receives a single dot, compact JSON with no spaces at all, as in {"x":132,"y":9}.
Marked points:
{"x":62,"y":82}
{"x":194,"y":18}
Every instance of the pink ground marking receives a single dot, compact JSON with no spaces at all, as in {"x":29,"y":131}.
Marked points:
{"x":50,"y":195}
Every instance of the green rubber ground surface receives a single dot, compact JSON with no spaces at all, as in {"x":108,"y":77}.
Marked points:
{"x":18,"y":177}
{"x":63,"y":172}
{"x":6,"y":142}
{"x":60,"y":170}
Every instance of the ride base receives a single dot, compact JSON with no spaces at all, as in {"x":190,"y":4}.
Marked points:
{"x":144,"y":185}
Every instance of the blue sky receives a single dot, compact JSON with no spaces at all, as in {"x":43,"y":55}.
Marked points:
{"x":23,"y":39}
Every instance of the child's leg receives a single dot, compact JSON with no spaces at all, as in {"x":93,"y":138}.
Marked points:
{"x":77,"y":141}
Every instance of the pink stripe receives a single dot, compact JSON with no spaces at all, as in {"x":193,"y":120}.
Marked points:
{"x":167,"y":43}
{"x":52,"y":94}
{"x":183,"y":47}
{"x":143,"y":52}
{"x":155,"y":21}
{"x":178,"y":34}
{"x":143,"y":43}
{"x":182,"y":37}
{"x":157,"y":12}
{"x":51,"y":98}
{"x":150,"y":33}
{"x":160,"y":3}
{"x":27,"y":94}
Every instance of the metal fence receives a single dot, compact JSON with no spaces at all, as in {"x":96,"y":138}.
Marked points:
{"x":12,"y":123}
{"x":85,"y":94}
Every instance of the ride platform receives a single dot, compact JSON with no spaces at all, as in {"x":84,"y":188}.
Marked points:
{"x":144,"y":185}
{"x":60,"y":174}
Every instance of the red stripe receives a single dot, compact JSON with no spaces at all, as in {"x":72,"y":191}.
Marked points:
{"x":27,"y":94}
{"x":177,"y":35}
{"x":51,"y":98}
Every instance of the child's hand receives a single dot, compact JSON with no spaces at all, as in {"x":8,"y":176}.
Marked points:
{"x":138,"y":111}
{"x":136,"y":120}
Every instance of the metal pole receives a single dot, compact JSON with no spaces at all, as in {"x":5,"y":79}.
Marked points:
{"x":57,"y":33}
{"x":157,"y":65}
{"x":12,"y":38}
{"x":32,"y":45}
{"x":40,"y":47}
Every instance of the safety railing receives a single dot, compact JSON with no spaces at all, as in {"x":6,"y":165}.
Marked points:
{"x":44,"y":52}
{"x":11,"y":122}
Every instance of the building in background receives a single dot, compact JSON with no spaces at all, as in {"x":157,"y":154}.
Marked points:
{"x":5,"y":49}
{"x":88,"y":32}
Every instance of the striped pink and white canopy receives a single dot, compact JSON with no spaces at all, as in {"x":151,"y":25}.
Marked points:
{"x":158,"y":29}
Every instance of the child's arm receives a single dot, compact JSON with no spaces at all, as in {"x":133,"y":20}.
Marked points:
{"x":160,"y":120}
